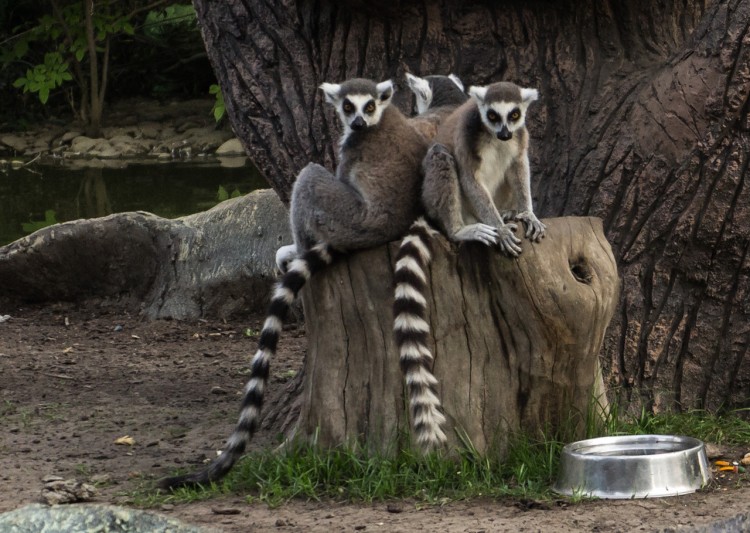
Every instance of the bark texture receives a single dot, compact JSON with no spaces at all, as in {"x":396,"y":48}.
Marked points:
{"x":217,"y":262}
{"x":516,"y":342}
{"x":643,"y":122}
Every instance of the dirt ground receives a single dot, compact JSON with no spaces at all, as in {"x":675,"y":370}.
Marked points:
{"x":75,"y":379}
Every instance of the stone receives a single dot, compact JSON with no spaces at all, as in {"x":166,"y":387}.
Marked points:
{"x":88,"y":517}
{"x":16,"y":142}
{"x":83,"y":144}
{"x":69,"y":136}
{"x":231,"y":147}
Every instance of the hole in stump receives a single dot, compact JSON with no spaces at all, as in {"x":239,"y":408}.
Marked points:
{"x":581,"y":271}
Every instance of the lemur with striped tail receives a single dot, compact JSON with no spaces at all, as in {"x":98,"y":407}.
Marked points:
{"x":477,"y":177}
{"x":371,"y":200}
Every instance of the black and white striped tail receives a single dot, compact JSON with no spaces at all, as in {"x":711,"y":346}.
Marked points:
{"x":300,"y":270}
{"x":411,"y":331}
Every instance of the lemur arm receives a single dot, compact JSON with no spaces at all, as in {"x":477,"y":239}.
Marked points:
{"x":520,"y":181}
{"x":484,"y":208}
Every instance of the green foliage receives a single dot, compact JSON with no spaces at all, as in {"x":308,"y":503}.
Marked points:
{"x":65,"y":40}
{"x":223,"y":194}
{"x":353,"y":474}
{"x":730,"y":428}
{"x":219,"y":109}
{"x":179,"y":17}
{"x":150,"y":48}
{"x":34,"y":225}
{"x":45,"y":77}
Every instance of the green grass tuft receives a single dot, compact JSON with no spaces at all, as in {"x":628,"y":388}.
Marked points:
{"x":353,"y":474}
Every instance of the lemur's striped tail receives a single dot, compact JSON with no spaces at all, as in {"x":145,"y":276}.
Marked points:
{"x":411,"y":331}
{"x":300,"y":270}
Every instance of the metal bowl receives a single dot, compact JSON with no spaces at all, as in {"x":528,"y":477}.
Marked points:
{"x":637,"y":466}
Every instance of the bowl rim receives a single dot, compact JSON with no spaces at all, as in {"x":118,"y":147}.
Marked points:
{"x":691,"y":445}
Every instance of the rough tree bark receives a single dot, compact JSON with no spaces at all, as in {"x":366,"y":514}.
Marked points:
{"x":516,"y":341}
{"x":643,"y":122}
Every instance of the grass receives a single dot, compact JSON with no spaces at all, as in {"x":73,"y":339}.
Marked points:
{"x":353,"y":474}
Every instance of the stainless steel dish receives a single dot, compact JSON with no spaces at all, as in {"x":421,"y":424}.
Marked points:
{"x":636,"y":466}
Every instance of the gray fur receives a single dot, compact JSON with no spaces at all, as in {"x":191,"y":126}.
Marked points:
{"x":371,"y":200}
{"x":374,"y":195}
{"x":473,"y":179}
{"x":466,"y":150}
{"x":436,"y":98}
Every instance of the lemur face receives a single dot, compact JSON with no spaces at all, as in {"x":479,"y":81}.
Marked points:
{"x":502,"y":107}
{"x":358,"y":102}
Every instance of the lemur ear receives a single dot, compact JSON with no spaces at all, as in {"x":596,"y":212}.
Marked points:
{"x":529,"y":95}
{"x":478,"y":93}
{"x":455,"y":80}
{"x":385,"y":91}
{"x":419,"y":86}
{"x":331,"y":92}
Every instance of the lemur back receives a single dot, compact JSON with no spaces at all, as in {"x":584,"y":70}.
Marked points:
{"x":371,"y":200}
{"x":436,"y":98}
{"x":476,"y":177}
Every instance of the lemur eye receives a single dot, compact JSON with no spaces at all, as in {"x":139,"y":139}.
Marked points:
{"x":370,"y":107}
{"x":492,"y":116}
{"x":514,"y":115}
{"x":348,"y":107}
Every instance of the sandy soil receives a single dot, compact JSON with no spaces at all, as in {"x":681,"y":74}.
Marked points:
{"x":73,"y":380}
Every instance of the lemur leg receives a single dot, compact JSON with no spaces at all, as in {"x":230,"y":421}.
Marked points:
{"x":442,"y":199}
{"x":519,"y":177}
{"x":326,"y":209}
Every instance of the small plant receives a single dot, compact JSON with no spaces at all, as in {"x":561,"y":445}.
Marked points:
{"x":223,"y":194}
{"x":219,"y":109}
{"x":34,"y":225}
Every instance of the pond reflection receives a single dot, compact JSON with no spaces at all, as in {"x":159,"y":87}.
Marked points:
{"x":34,"y":197}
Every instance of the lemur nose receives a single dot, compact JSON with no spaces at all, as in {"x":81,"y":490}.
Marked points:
{"x":504,"y":134}
{"x":358,"y":124}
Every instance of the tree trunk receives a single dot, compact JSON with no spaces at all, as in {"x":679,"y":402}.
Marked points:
{"x":643,"y":122}
{"x":218,"y":262}
{"x":516,"y":341}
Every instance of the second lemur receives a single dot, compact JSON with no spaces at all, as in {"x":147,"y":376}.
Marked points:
{"x":371,"y":200}
{"x":477,"y":177}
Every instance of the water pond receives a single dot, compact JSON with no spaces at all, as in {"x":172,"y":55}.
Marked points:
{"x":39,"y":195}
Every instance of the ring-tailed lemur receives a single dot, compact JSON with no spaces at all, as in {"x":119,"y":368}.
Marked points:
{"x":476,"y":175}
{"x":371,"y":200}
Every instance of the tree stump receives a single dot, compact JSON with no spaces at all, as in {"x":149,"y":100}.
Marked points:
{"x":516,"y":341}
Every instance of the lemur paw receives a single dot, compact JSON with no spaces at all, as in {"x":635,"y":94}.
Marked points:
{"x":507,"y":216}
{"x":284,"y":256}
{"x":535,"y":229}
{"x":507,"y":240}
{"x":477,"y":232}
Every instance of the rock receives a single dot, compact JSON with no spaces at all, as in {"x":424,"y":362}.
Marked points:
{"x":88,"y":517}
{"x":57,"y":490}
{"x":231,"y":147}
{"x":149,"y":130}
{"x":83,"y":144}
{"x":127,"y":146}
{"x":104,"y":150}
{"x":15,"y":142}
{"x":69,"y":136}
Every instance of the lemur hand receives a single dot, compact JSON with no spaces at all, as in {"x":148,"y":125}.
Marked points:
{"x":534,"y":227}
{"x":477,"y":232}
{"x":507,"y":240}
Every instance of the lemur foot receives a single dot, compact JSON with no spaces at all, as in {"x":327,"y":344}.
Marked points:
{"x":534,"y":227}
{"x":441,"y":150}
{"x":284,"y":256}
{"x":477,"y":232}
{"x":507,"y":240}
